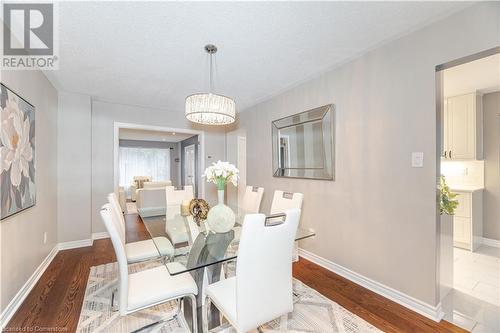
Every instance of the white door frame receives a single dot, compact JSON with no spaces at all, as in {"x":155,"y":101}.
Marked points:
{"x":439,"y":141}
{"x":241,"y":160}
{"x":118,"y":125}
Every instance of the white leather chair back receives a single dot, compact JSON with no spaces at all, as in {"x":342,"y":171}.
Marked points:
{"x":264,"y":270}
{"x":252,"y":199}
{"x":176,"y":196}
{"x":121,"y":256}
{"x":115,"y":205}
{"x":283,"y":201}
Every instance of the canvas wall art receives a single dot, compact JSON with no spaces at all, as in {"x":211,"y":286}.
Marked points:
{"x":17,"y":153}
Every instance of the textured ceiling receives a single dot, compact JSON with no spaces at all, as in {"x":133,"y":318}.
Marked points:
{"x":151,"y":53}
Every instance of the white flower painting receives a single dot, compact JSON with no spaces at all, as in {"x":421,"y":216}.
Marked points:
{"x":17,"y":153}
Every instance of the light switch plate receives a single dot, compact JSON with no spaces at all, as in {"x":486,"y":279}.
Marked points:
{"x":417,"y":159}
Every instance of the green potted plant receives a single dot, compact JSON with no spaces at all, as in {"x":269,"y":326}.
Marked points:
{"x":448,"y":204}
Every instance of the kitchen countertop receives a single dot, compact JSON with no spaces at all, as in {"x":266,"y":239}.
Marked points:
{"x":466,"y":188}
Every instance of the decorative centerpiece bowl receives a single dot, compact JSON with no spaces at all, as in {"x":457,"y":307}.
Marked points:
{"x":198,"y":208}
{"x":221,"y":218}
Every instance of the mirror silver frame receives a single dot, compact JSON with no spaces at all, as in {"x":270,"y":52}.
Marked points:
{"x":323,"y":115}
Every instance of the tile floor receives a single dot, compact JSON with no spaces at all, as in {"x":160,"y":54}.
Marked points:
{"x":474,"y":303}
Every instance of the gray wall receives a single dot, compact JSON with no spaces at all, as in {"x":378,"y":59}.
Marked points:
{"x":378,"y":218}
{"x":491,"y":203}
{"x":21,"y":247}
{"x":174,"y":153}
{"x":74,"y":168}
{"x":232,"y":157}
{"x":104,"y":115}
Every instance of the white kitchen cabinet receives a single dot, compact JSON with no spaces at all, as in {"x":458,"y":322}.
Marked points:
{"x":462,"y":231}
{"x":468,"y":220}
{"x":464,"y":204}
{"x":462,"y":127}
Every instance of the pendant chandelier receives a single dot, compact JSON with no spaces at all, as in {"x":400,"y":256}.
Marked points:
{"x":209,"y":108}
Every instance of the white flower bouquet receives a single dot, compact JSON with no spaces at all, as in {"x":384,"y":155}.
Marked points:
{"x":221,"y":173}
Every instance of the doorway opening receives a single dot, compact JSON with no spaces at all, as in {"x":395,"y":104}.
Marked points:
{"x":468,"y":166}
{"x":149,"y":158}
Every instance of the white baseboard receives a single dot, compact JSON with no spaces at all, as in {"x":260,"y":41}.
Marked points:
{"x":430,"y":311}
{"x":18,"y":299}
{"x":491,"y":242}
{"x":75,"y":244}
{"x":100,"y":235}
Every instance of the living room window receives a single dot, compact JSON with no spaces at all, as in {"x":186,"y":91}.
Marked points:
{"x":138,"y":161}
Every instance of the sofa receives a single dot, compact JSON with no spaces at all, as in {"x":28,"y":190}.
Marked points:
{"x":152,"y":194}
{"x":137,"y":183}
{"x":158,"y":184}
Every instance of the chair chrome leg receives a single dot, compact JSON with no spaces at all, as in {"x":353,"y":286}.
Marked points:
{"x":176,"y":315}
{"x":114,"y":307}
{"x":194,"y":311}
{"x":206,"y":314}
{"x":179,"y":305}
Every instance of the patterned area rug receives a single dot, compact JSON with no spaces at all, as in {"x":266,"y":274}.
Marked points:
{"x":312,"y":311}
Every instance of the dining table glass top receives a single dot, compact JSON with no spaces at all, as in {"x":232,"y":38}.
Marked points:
{"x":194,"y":246}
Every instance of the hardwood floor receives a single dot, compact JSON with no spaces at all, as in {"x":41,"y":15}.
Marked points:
{"x":379,"y":311}
{"x":55,"y":302}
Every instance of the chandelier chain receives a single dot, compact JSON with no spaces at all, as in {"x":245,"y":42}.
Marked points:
{"x":211,"y":82}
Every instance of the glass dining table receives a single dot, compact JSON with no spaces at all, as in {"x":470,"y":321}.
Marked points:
{"x":198,"y":251}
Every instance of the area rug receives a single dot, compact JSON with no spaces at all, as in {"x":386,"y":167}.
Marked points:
{"x":312,"y":311}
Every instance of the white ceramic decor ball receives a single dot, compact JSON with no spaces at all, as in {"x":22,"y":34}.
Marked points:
{"x":221,"y":218}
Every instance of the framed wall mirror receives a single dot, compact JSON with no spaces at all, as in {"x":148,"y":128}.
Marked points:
{"x":303,"y":144}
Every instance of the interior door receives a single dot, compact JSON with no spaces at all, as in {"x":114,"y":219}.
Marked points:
{"x":189,"y":165}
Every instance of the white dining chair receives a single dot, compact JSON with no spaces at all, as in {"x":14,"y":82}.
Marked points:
{"x":252,"y":199}
{"x":175,"y":196}
{"x":141,"y":250}
{"x":150,"y":287}
{"x":286,"y":200}
{"x":175,"y":226}
{"x":283,"y":201}
{"x":262,"y":288}
{"x":250,"y":204}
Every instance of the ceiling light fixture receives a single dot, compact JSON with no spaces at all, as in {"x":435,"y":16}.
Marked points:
{"x":209,"y":108}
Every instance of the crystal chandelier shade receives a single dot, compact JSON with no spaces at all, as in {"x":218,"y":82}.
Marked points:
{"x":209,"y":108}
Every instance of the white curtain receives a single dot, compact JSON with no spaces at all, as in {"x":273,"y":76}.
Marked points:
{"x":136,"y":161}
